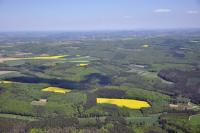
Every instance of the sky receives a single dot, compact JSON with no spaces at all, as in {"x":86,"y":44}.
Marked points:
{"x":69,"y":15}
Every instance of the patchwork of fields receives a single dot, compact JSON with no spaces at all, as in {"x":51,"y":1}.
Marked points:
{"x":142,"y":83}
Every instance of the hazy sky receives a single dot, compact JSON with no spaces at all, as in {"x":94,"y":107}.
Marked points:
{"x":98,"y":14}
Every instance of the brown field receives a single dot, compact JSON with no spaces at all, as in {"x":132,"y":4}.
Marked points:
{"x":5,"y":72}
{"x":3,"y":59}
{"x":39,"y":102}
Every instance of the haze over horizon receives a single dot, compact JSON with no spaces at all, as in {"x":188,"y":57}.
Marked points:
{"x":37,"y":15}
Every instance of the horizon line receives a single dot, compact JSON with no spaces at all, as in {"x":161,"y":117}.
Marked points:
{"x":103,"y":30}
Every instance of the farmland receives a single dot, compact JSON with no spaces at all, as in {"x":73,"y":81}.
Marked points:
{"x":132,"y":104}
{"x":100,"y":82}
{"x":56,"y":90}
{"x":3,"y":59}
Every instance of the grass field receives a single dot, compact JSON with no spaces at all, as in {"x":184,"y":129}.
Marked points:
{"x":132,"y":104}
{"x":12,"y":116}
{"x":195,"y":119}
{"x":149,"y":120}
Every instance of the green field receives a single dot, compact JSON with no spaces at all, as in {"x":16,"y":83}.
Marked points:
{"x":19,"y":117}
{"x":195,"y":119}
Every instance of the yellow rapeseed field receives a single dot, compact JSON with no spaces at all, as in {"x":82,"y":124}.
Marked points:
{"x":56,"y":90}
{"x":83,"y":65}
{"x":6,"y":82}
{"x":32,"y":58}
{"x":79,"y":61}
{"x":45,"y":57}
{"x":132,"y":104}
{"x":145,"y":46}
